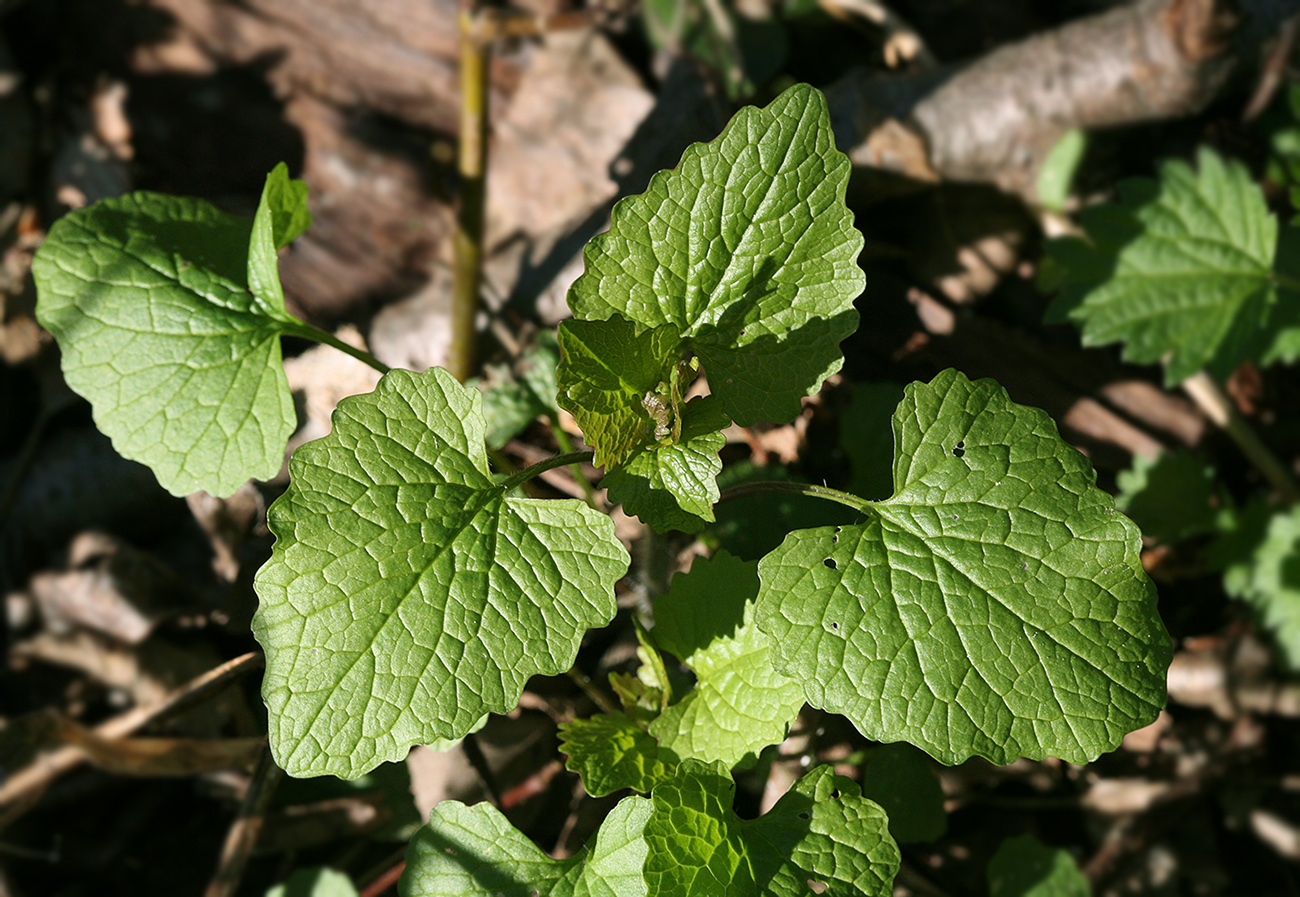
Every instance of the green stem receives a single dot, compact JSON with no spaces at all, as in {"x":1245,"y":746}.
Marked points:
{"x":300,"y":328}
{"x":535,"y":470}
{"x":475,"y":54}
{"x":594,"y":694}
{"x":1219,"y":409}
{"x":844,"y":498}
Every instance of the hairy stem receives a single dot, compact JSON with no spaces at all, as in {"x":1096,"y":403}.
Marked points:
{"x":299,"y":328}
{"x":1218,"y":408}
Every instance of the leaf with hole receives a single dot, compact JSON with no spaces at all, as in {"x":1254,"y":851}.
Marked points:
{"x":995,"y":605}
{"x":407,"y":594}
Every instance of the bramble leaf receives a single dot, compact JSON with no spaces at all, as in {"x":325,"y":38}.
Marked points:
{"x":607,"y":375}
{"x":1260,"y":557}
{"x":149,"y":298}
{"x":739,"y":704}
{"x":748,"y":250}
{"x":611,"y":752}
{"x":994,"y":606}
{"x":821,"y":831}
{"x":407,"y":595}
{"x":1180,"y":268}
{"x":1026,"y":867}
{"x":674,"y":485}
{"x":476,"y":852}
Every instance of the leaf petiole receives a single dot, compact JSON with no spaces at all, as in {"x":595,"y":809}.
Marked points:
{"x":536,"y":470}
{"x":307,"y":331}
{"x":844,"y":498}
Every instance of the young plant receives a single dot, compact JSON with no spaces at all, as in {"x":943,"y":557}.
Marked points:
{"x":994,"y":605}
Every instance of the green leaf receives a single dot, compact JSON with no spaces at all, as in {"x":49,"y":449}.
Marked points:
{"x":607,"y":375}
{"x":822,"y":831}
{"x":1171,"y":497}
{"x":1260,"y":557}
{"x":739,"y":704}
{"x":287,"y":200}
{"x":1025,"y":867}
{"x":674,"y":485}
{"x":149,"y":299}
{"x":1057,"y":173}
{"x":318,"y":882}
{"x":611,"y":753}
{"x":750,"y":526}
{"x":407,"y":595}
{"x":1181,"y":268}
{"x":748,"y":250}
{"x":475,"y":852}
{"x":995,"y":605}
{"x":899,"y":778}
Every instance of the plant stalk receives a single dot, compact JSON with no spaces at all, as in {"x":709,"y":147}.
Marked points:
{"x":300,"y":328}
{"x":844,"y":498}
{"x":1219,"y":409}
{"x":475,"y":55}
{"x":536,"y":470}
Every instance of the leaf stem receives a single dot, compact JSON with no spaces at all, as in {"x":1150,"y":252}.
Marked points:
{"x":844,"y":498}
{"x":303,"y":329}
{"x":1219,"y":409}
{"x":562,"y":439}
{"x":535,"y":470}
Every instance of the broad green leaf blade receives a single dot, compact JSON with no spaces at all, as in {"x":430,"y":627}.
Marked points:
{"x":475,"y":852}
{"x":1182,"y":269}
{"x":822,"y":831}
{"x":318,"y":882}
{"x":608,"y":376}
{"x":611,"y":753}
{"x":675,"y":485}
{"x":1259,"y":555}
{"x":739,"y":704}
{"x":407,"y":595}
{"x":281,"y":216}
{"x":994,"y":606}
{"x":148,"y":298}
{"x":899,"y":778}
{"x":1171,"y":497}
{"x":748,"y":250}
{"x":1026,"y":867}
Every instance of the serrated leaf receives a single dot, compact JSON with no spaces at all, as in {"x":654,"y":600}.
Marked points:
{"x":611,"y":753}
{"x":899,"y":778}
{"x":1260,"y":557}
{"x":822,"y":831}
{"x":674,"y":486}
{"x":607,"y":372}
{"x":149,"y":299}
{"x":739,"y":704}
{"x":318,"y":882}
{"x":407,"y":595}
{"x":1180,"y":268}
{"x":1171,"y":496}
{"x":1025,"y":867}
{"x":748,"y":250}
{"x":475,"y":852}
{"x":994,"y":606}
